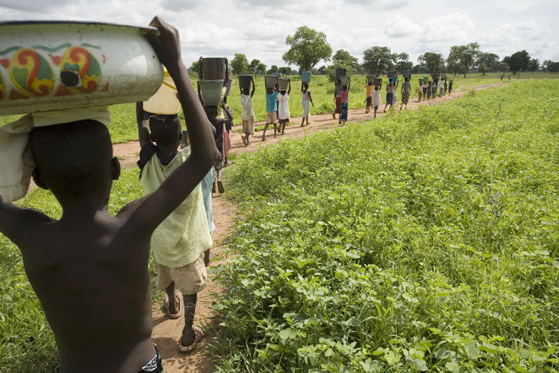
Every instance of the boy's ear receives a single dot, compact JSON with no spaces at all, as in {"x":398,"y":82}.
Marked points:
{"x":38,"y":179}
{"x":115,"y":168}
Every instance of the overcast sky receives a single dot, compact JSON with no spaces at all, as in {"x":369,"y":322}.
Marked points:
{"x":258,"y":28}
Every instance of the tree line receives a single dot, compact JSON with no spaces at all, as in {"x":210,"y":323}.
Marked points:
{"x":308,"y":47}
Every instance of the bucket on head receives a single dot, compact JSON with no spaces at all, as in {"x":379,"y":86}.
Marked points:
{"x":370,"y":79}
{"x":425,"y":79}
{"x":420,"y":81}
{"x":283,"y":83}
{"x":277,"y":75}
{"x":443,"y":75}
{"x":407,"y":74}
{"x":373,"y":72}
{"x":390,"y":74}
{"x":378,"y":82}
{"x":271,"y":81}
{"x":306,"y":76}
{"x":245,"y":81}
{"x":214,"y":68}
{"x":436,"y":74}
{"x":344,"y":80}
{"x":210,"y":90}
{"x":340,"y":72}
{"x":165,"y":100}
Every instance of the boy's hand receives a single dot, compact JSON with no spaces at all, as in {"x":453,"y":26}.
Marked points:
{"x":167,"y":44}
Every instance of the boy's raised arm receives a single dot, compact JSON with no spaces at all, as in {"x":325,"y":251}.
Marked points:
{"x":155,"y":207}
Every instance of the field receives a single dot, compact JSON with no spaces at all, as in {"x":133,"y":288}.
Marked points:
{"x":424,"y":241}
{"x":123,"y":117}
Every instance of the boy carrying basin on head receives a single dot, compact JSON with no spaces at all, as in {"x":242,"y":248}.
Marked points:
{"x":271,"y":109}
{"x":89,"y":269}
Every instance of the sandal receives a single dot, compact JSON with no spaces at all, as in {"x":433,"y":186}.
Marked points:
{"x":198,"y":334}
{"x":178,"y":299}
{"x":220,"y":187}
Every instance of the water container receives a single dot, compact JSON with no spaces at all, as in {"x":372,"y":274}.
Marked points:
{"x":436,"y":74}
{"x":214,"y":68}
{"x":306,"y":76}
{"x":283,"y":83}
{"x":277,"y":75}
{"x":271,"y":81}
{"x":344,"y":80}
{"x":390,"y":74}
{"x":443,"y":75}
{"x":378,"y":82}
{"x":425,"y":79}
{"x":165,"y":100}
{"x":420,"y":81}
{"x":340,"y":72}
{"x":245,"y":81}
{"x":373,"y":72}
{"x":228,"y":86}
{"x":407,"y":74}
{"x":210,"y":90}
{"x":370,"y":79}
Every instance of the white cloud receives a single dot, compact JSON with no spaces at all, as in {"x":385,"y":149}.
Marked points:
{"x":34,"y":6}
{"x":400,"y":26}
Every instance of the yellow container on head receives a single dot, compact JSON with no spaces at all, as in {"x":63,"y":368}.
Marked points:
{"x":165,"y":101}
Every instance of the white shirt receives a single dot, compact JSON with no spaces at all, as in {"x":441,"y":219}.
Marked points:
{"x":283,"y":106}
{"x":248,"y":109}
{"x":377,"y":100}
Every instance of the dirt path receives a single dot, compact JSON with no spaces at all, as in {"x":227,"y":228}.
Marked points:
{"x":166,"y":332}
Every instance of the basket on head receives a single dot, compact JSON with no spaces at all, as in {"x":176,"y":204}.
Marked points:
{"x":210,"y":90}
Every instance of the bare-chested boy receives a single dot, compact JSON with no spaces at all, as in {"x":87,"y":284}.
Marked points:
{"x":89,"y":269}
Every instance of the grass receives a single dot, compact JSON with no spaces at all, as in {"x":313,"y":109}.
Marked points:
{"x":26,"y":340}
{"x":423,"y":241}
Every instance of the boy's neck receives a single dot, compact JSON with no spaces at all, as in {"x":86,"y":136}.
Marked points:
{"x":83,"y":207}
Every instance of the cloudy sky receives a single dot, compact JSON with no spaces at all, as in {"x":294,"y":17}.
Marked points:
{"x":258,"y":28}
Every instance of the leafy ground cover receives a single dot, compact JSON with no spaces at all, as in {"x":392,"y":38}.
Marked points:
{"x":423,"y":241}
{"x":26,"y":341}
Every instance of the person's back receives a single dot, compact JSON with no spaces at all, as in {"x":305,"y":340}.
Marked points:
{"x":89,"y":269}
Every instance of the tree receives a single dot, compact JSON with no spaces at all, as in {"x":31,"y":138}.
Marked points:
{"x":534,"y":65}
{"x":273,"y":70}
{"x":256,"y":67}
{"x":545,"y":64}
{"x":483,"y":68}
{"x":379,"y":58}
{"x":307,"y":48}
{"x":285,"y":71}
{"x":342,"y":59}
{"x":519,"y":61}
{"x":403,"y":62}
{"x":490,"y":60}
{"x":195,"y":67}
{"x":553,"y":67}
{"x":465,"y":55}
{"x":322,"y":70}
{"x":432,"y":61}
{"x":504,"y":67}
{"x":239,"y":65}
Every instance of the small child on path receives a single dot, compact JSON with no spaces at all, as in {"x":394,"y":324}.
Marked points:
{"x":419,"y":92}
{"x":450,"y":87}
{"x":405,"y":93}
{"x":179,"y":243}
{"x":247,"y":116}
{"x":220,"y":139}
{"x":271,"y":109}
{"x":445,"y":86}
{"x":441,"y":89}
{"x":434,"y":89}
{"x":389,"y":94}
{"x":306,"y":102}
{"x":425,"y":88}
{"x":88,"y":268}
{"x":345,"y":103}
{"x":283,"y":109}
{"x":376,"y":100}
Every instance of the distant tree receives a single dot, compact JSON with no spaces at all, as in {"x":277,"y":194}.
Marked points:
{"x":419,"y":69}
{"x":379,"y":58}
{"x":483,"y":68}
{"x":545,"y":64}
{"x":534,"y":65}
{"x":553,"y":67}
{"x":342,"y":59}
{"x":307,"y":48}
{"x":239,"y":64}
{"x":519,"y":61}
{"x":273,"y":69}
{"x":322,"y":70}
{"x":490,"y":60}
{"x":285,"y":71}
{"x":432,"y":61}
{"x":465,"y":55}
{"x":403,"y":62}
{"x":195,"y":67}
{"x":504,"y":67}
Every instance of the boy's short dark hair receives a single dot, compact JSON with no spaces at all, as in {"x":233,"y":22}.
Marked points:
{"x":72,"y":158}
{"x":167,"y":132}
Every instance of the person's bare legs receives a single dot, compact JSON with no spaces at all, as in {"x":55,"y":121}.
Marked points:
{"x":303,"y":122}
{"x":173,"y":306}
{"x":189,"y":311}
{"x":207,"y":258}
{"x":264,"y":133}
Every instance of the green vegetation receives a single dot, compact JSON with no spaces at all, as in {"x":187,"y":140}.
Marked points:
{"x":424,"y":241}
{"x":26,"y":341}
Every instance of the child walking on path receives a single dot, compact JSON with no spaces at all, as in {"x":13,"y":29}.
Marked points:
{"x":370,"y":89}
{"x":345,"y":103}
{"x":247,"y":116}
{"x":271,"y":109}
{"x":405,"y":93}
{"x":90,"y":269}
{"x":306,"y":102}
{"x":220,"y":138}
{"x":283,"y":109}
{"x":376,"y":99}
{"x":337,"y":98}
{"x":426,"y":92}
{"x":180,"y":241}
{"x":389,"y":95}
{"x":450,"y":87}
